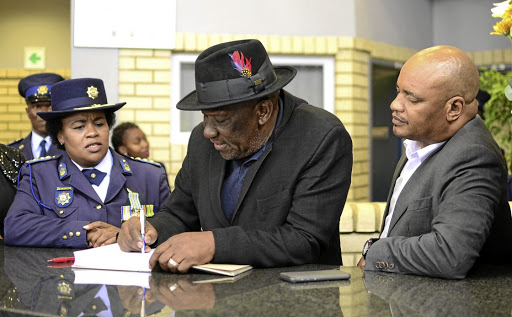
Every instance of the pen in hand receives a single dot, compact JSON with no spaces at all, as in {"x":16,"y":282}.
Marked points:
{"x":142,"y":218}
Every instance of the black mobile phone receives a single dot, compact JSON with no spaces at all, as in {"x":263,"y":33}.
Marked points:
{"x":314,"y":276}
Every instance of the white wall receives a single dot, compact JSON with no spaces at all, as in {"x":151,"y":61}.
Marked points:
{"x":406,"y":23}
{"x":467,"y":24}
{"x":267,"y":17}
{"x":95,"y":62}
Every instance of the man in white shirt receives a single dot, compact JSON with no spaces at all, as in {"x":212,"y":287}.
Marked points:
{"x":36,"y":89}
{"x":448,"y":206}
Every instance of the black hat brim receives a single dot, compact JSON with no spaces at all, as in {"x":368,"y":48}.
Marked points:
{"x":285,"y":74}
{"x":49,"y":115}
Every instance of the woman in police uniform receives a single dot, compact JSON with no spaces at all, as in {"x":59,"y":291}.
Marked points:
{"x":80,"y":198}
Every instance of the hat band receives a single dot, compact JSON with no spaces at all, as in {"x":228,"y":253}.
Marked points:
{"x":70,"y":104}
{"x":32,"y":91}
{"x":230,"y":89}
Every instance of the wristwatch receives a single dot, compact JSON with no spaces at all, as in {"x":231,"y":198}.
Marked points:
{"x":367,"y":246}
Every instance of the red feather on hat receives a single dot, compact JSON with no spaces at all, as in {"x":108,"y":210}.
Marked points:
{"x":241,"y":63}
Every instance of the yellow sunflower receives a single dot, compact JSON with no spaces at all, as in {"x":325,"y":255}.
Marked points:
{"x":503,"y":27}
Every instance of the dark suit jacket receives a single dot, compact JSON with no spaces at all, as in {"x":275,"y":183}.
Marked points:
{"x":291,"y":200}
{"x":30,"y":224}
{"x":24,"y":145}
{"x":452,"y":211}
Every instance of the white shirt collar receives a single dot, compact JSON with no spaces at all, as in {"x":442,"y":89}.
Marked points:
{"x":413,"y":150}
{"x":105,"y":165}
{"x":35,"y":141}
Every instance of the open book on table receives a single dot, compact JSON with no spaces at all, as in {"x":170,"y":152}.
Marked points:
{"x":110,"y":257}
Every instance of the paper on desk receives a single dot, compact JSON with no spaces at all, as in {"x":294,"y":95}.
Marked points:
{"x":108,"y":277}
{"x":110,"y":257}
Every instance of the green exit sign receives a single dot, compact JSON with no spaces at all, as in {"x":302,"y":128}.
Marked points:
{"x":35,"y":58}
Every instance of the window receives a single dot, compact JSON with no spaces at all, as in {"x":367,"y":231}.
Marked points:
{"x":314,"y":83}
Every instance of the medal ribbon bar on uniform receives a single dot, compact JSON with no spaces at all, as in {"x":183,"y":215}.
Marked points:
{"x":135,"y":207}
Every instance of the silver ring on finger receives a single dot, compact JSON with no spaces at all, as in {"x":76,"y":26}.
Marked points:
{"x":173,"y":263}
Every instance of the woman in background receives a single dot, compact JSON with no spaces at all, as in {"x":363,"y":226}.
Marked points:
{"x":129,"y":140}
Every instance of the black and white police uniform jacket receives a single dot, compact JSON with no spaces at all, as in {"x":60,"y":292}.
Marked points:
{"x":55,"y":200}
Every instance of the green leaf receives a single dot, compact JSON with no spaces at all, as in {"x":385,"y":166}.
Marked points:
{"x":508,"y":92}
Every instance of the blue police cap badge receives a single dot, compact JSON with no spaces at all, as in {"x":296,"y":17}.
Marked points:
{"x":126,"y":168}
{"x":63,"y":170}
{"x":63,"y":196}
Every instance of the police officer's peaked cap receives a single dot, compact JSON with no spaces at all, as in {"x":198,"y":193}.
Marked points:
{"x":37,"y":87}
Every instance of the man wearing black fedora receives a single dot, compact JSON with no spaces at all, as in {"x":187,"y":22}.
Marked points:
{"x":266,"y":174}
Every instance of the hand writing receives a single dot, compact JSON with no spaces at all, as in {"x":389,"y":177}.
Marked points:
{"x":129,"y":237}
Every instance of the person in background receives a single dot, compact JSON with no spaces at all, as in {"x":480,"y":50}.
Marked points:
{"x":36,"y":89}
{"x":265,"y":177}
{"x":129,"y":140}
{"x":79,"y":199}
{"x":11,"y":161}
{"x":447,"y":206}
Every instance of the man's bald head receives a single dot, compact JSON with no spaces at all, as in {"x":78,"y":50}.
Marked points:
{"x":436,"y":95}
{"x":457,"y":74}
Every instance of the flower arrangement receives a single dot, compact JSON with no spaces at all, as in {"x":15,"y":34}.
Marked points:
{"x":497,"y":112}
{"x":503,"y":10}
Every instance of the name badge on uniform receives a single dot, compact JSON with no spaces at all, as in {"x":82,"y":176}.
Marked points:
{"x":63,"y":196}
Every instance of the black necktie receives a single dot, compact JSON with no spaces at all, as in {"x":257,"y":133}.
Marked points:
{"x":43,"y":148}
{"x":94,"y":176}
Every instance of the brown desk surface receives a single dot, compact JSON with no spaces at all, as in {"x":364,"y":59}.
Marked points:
{"x":28,"y":287}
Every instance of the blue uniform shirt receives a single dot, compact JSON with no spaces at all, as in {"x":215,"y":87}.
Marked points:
{"x":55,"y":200}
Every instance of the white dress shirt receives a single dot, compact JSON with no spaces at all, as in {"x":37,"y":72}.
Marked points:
{"x":415,"y":156}
{"x":35,"y":141}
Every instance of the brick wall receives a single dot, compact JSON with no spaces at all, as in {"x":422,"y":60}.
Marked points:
{"x":144,"y":84}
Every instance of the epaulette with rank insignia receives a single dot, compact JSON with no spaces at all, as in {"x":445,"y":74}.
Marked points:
{"x":146,"y":161}
{"x":15,"y":141}
{"x":41,"y":159}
